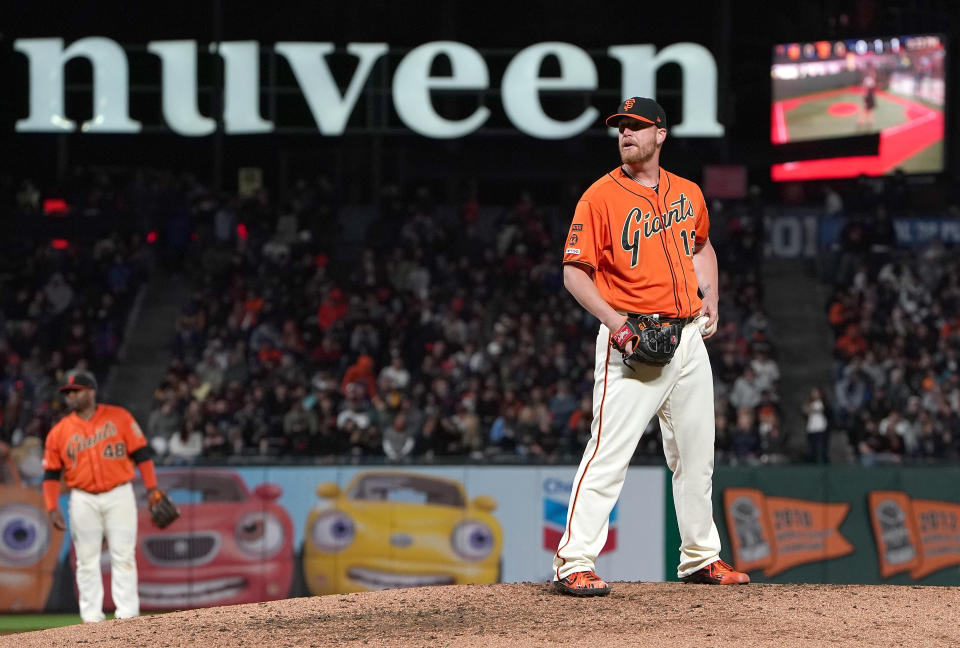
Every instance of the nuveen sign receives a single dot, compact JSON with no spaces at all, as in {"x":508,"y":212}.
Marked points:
{"x":413,"y":89}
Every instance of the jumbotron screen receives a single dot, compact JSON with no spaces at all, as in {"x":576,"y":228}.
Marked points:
{"x":858,"y":107}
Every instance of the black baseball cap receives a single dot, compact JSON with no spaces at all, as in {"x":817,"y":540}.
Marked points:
{"x":642,"y":108}
{"x":79,"y":379}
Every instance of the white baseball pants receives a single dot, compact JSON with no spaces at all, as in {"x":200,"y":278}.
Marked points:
{"x":624,"y":401}
{"x":114,"y":514}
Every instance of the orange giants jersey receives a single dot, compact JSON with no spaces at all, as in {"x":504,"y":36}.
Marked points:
{"x":94,"y":454}
{"x":640,"y":243}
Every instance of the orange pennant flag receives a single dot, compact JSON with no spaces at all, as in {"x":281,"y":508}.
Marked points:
{"x":891,"y":516}
{"x":805,"y":532}
{"x":938,"y":527}
{"x":749,"y":529}
{"x":778,"y":533}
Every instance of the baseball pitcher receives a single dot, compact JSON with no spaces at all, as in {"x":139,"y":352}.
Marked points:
{"x":638,"y":257}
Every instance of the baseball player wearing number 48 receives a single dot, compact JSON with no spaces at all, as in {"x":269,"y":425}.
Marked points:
{"x":94,"y":448}
{"x":638,"y":257}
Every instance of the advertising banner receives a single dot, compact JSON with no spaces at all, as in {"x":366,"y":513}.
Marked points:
{"x":841,"y":524}
{"x":798,"y":233}
{"x":777,"y":533}
{"x":917,"y":536}
{"x":250,"y":534}
{"x":523,"y":88}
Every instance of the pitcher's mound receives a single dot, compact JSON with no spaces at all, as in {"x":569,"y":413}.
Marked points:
{"x":517,"y":615}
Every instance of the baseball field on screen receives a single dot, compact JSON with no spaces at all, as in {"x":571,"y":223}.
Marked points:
{"x":911,"y":133}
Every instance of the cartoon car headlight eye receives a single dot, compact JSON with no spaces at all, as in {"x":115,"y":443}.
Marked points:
{"x":472,"y":540}
{"x":24,"y":535}
{"x":259,"y":534}
{"x":332,"y":531}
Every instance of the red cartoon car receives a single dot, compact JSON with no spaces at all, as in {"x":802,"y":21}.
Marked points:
{"x":227,"y":547}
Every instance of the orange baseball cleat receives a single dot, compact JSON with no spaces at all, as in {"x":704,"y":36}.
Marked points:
{"x":717,"y":573}
{"x":585,"y":583}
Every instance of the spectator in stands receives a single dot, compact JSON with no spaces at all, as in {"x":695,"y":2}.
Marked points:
{"x":730,"y":366}
{"x":744,"y":438}
{"x":209,"y":370}
{"x":216,"y":444}
{"x":236,"y":371}
{"x":934,"y":440}
{"x":356,"y":413}
{"x":723,"y":441}
{"x":765,"y":368}
{"x":562,"y":405}
{"x":817,"y":426}
{"x":910,"y":431}
{"x":188,"y":330}
{"x":58,"y":294}
{"x":360,"y":373}
{"x":747,"y":392}
{"x":851,"y":343}
{"x":841,"y":310}
{"x":300,"y":423}
{"x":897,"y":392}
{"x":872,"y":369}
{"x":394,"y":376}
{"x":756,"y":328}
{"x":769,"y":429}
{"x":185,"y":446}
{"x":852,"y":395}
{"x":832,"y":202}
{"x":163,"y":424}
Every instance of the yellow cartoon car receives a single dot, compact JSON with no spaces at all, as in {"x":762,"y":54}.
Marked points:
{"x":389,"y":530}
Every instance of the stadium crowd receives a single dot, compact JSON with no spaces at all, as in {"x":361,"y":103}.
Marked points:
{"x":895,"y":315}
{"x":442,"y":336}
{"x":438,"y":334}
{"x":67,"y":287}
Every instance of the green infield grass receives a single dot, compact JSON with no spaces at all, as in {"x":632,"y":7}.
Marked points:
{"x":929,"y":160}
{"x":10,"y":623}
{"x":811,"y":119}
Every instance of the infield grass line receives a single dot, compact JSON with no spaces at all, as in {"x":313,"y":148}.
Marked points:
{"x":28,"y":622}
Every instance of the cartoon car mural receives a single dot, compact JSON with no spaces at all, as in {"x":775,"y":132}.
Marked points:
{"x":227,"y":547}
{"x":390,"y":530}
{"x":29,"y":545}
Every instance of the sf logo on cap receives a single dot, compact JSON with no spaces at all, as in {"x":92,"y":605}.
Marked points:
{"x":628,"y":104}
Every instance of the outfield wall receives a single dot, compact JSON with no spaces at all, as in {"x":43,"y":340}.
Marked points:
{"x":796,"y":524}
{"x":258,"y":533}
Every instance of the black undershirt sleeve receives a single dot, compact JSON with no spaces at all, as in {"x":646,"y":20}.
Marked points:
{"x":141,"y":455}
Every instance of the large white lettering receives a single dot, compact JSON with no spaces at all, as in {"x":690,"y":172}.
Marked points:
{"x":308,"y":60}
{"x":241,"y":88}
{"x":180,"y":88}
{"x":522,"y":84}
{"x":412,"y":85}
{"x":47,"y":58}
{"x":639,"y":64}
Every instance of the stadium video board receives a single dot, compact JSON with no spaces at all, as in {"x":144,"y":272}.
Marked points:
{"x":846,"y":108}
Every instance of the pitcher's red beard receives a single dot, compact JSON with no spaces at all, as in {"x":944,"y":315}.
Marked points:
{"x":637,"y":154}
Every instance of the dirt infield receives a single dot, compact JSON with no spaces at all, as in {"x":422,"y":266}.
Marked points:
{"x":530,"y":614}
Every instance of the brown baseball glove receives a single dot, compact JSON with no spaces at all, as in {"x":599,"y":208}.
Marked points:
{"x":162,"y":510}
